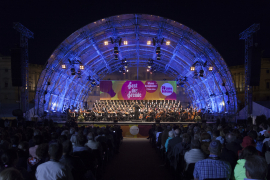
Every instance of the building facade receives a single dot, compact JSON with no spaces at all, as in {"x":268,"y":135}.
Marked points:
{"x":261,"y":92}
{"x":10,"y":95}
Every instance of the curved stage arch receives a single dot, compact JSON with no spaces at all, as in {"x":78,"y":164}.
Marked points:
{"x":56,"y":87}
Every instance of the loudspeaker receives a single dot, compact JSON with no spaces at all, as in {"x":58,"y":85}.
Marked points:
{"x":115,"y":121}
{"x":16,"y":67}
{"x":255,"y":71}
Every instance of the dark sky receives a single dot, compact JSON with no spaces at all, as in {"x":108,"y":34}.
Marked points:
{"x":52,"y":21}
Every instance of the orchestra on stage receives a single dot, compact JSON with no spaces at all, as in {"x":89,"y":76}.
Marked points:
{"x":142,"y":110}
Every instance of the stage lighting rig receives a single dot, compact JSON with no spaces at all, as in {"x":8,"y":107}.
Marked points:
{"x":79,"y":74}
{"x":73,"y":72}
{"x":115,"y":50}
{"x":158,"y":56}
{"x":201,"y":73}
{"x":158,"y":50}
{"x":117,"y":41}
{"x":202,"y":65}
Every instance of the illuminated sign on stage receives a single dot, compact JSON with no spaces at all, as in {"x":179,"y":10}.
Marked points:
{"x":137,"y":90}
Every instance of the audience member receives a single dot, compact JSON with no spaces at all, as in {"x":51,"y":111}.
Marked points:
{"x":37,"y":140}
{"x":212,"y":167}
{"x":11,"y":174}
{"x":91,"y":143}
{"x":205,"y":141}
{"x":53,"y":169}
{"x":256,"y":167}
{"x":195,"y":154}
{"x":171,"y":135}
{"x":239,"y":170}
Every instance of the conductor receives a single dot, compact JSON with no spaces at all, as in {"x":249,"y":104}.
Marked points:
{"x":137,"y":107}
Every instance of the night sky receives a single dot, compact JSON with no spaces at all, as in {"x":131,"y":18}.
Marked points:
{"x":219,"y":21}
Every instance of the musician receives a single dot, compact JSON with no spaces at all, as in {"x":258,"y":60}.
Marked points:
{"x":137,"y":107}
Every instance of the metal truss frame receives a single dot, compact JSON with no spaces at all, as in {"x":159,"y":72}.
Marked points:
{"x":87,"y":44}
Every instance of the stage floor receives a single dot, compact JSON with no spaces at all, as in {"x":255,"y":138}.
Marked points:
{"x":127,"y":122}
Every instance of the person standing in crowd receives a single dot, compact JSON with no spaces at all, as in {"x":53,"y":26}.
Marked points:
{"x":212,"y":167}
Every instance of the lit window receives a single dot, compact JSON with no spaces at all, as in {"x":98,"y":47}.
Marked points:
{"x":106,"y":43}
{"x":168,"y":43}
{"x":148,"y":42}
{"x":125,"y":42}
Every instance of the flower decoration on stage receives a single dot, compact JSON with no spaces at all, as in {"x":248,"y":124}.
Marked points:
{"x":133,"y":90}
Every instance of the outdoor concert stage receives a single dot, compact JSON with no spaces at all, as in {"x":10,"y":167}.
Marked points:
{"x":89,"y":123}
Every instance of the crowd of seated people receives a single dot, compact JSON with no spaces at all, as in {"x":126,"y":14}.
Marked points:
{"x":214,"y":151}
{"x":53,"y":152}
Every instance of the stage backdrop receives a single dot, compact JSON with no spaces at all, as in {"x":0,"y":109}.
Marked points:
{"x":137,"y":90}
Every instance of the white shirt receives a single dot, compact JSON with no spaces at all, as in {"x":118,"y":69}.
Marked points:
{"x":266,"y":139}
{"x":193,"y":156}
{"x":92,"y":144}
{"x":262,"y":132}
{"x":53,"y":170}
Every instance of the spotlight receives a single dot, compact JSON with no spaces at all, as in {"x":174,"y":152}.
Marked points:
{"x":127,"y":70}
{"x":73,"y":71}
{"x":157,"y":50}
{"x":192,"y":68}
{"x":115,"y":57}
{"x":158,"y":57}
{"x":125,"y":43}
{"x":149,"y":66}
{"x":106,"y":43}
{"x":126,"y":65}
{"x":148,"y":42}
{"x":168,"y":43}
{"x":115,"y":51}
{"x":81,"y":67}
{"x":201,"y":73}
{"x":64,"y":66}
{"x":210,"y":68}
{"x":148,"y":70}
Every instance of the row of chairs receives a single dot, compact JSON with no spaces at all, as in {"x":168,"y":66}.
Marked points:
{"x":180,"y":171}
